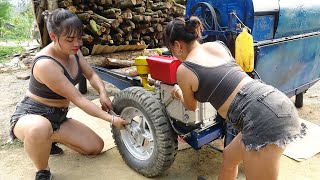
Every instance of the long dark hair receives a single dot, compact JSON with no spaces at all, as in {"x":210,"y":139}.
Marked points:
{"x":63,"y":22}
{"x":187,"y":30}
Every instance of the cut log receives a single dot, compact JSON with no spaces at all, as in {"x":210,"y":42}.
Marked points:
{"x":151,"y":43}
{"x":129,"y":71}
{"x":159,"y":36}
{"x":100,"y":8}
{"x":161,"y":5}
{"x":120,"y":19}
{"x":106,"y":30}
{"x":127,"y":14}
{"x":112,"y":13}
{"x":130,"y":23}
{"x":119,"y":63}
{"x":139,"y":9}
{"x":94,"y":27}
{"x":136,"y":35}
{"x":74,"y":9}
{"x":146,"y":38}
{"x":106,"y":25}
{"x":93,"y":7}
{"x":150,"y":30}
{"x":127,"y":3}
{"x":125,"y":28}
{"x":107,"y":62}
{"x":180,"y":2}
{"x":113,"y":22}
{"x":64,"y":4}
{"x":137,"y":18}
{"x":104,"y":2}
{"x":106,"y":39}
{"x":76,"y":2}
{"x":84,"y":7}
{"x":117,"y":38}
{"x":87,"y":38}
{"x":85,"y":51}
{"x":148,"y":13}
{"x":103,"y":29}
{"x":119,"y":31}
{"x":84,"y":16}
{"x":157,"y":27}
{"x":139,"y":2}
{"x":52,"y":4}
{"x":157,"y":20}
{"x":147,"y":18}
{"x":116,"y":2}
{"x":127,"y":37}
{"x":143,"y":26}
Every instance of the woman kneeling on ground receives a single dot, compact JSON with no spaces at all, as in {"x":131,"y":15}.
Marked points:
{"x":40,"y":118}
{"x":266,"y":118}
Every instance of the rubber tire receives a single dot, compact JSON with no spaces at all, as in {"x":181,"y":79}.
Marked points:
{"x":165,"y":139}
{"x":299,"y":100}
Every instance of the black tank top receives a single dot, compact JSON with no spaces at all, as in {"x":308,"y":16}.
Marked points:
{"x":217,"y":83}
{"x":42,"y":90}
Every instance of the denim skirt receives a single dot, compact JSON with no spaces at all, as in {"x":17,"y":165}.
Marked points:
{"x":264,"y":115}
{"x":55,"y":115}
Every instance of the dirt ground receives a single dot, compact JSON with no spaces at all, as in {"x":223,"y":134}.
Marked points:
{"x":189,"y":163}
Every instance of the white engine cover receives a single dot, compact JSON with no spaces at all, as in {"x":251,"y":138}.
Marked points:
{"x":176,"y":110}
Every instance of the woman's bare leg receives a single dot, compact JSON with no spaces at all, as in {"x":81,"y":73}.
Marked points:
{"x":263,"y":164}
{"x":35,"y":132}
{"x":232,"y":156}
{"x":78,"y":137}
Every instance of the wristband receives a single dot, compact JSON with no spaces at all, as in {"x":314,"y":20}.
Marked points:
{"x":112,"y":119}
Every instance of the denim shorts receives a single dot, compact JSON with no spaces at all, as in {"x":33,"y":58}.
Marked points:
{"x":264,"y":115}
{"x":55,"y":115}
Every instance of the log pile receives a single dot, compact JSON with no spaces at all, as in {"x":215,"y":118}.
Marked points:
{"x":122,"y":22}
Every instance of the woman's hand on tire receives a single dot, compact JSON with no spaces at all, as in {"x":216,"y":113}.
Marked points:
{"x":119,"y":123}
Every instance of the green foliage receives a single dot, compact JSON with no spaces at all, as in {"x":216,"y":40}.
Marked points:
{"x":15,"y":26}
{"x":5,"y":8}
{"x":7,"y":51}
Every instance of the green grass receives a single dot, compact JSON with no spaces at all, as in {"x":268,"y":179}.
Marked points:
{"x":8,"y":51}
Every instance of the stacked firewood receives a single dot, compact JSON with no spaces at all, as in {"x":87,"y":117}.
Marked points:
{"x":123,"y":22}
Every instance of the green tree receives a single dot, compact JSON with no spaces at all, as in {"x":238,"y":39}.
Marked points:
{"x":5,"y":9}
{"x":23,"y":22}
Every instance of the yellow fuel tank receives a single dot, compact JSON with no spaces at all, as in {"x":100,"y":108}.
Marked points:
{"x":244,"y":53}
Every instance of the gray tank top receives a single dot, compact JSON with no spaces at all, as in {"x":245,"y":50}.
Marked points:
{"x":216,"y":83}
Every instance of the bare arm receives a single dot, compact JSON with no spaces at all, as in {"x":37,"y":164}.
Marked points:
{"x":185,"y":90}
{"x":55,"y":79}
{"x":95,"y":82}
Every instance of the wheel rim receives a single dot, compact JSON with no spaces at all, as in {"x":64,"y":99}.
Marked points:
{"x":138,"y":135}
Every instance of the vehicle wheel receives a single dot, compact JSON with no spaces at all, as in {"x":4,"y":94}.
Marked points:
{"x":148,"y":144}
{"x":299,"y":100}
